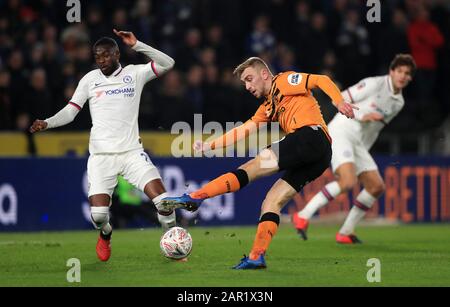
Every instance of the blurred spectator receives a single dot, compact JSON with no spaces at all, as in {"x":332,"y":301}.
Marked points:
{"x":50,"y":33}
{"x":142,"y":23}
{"x":6,"y":111}
{"x":302,"y":34}
{"x":335,"y":19}
{"x":6,"y":41}
{"x":393,"y":40}
{"x":188,"y":53}
{"x":285,"y":59}
{"x":83,"y":59}
{"x":208,"y":56}
{"x":30,"y":39}
{"x":18,"y":80}
{"x":316,"y":44}
{"x":241,"y":104}
{"x":194,"y":91}
{"x":53,"y":59}
{"x":425,"y":39}
{"x":261,"y":39}
{"x":282,"y":14}
{"x":222,"y":46}
{"x":172,"y":106}
{"x":174,"y":18}
{"x":37,"y":55}
{"x":38,"y":99}
{"x":72,"y":37}
{"x":97,"y":25}
{"x":120,"y":20}
{"x":440,"y":14}
{"x":216,"y":108}
{"x":353,"y":47}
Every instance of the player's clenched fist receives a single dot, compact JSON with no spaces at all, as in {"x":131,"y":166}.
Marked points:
{"x":38,"y":125}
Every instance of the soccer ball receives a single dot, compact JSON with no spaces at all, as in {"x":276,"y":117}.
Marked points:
{"x":176,"y":243}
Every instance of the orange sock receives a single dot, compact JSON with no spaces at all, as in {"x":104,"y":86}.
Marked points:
{"x":226,"y":183}
{"x":267,"y":228}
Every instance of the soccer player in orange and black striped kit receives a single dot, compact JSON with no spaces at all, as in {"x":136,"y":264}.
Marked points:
{"x":304,"y":153}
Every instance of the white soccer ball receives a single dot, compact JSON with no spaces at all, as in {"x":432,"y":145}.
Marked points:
{"x":176,"y":243}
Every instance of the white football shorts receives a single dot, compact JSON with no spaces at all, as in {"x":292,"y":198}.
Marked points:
{"x":348,"y":149}
{"x":135,"y":166}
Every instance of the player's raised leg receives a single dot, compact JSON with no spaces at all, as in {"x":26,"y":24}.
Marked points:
{"x":264,"y":164}
{"x":100,"y":218}
{"x":140,"y":171}
{"x":346,"y":179}
{"x":280,"y":193}
{"x":373,"y":188}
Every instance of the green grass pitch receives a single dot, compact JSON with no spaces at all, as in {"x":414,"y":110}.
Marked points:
{"x":412,"y":255}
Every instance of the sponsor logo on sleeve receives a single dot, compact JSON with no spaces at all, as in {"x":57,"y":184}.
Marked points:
{"x":295,"y":79}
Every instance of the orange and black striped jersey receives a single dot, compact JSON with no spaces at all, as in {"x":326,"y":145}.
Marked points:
{"x":291,"y":103}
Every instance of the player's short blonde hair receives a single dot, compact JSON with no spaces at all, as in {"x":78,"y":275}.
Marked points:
{"x":250,"y":62}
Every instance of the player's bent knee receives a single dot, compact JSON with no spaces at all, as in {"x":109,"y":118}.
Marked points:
{"x":347,"y":183}
{"x":376,"y":189}
{"x":99,"y":216}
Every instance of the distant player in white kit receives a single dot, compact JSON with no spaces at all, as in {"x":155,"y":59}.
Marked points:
{"x":379,"y":100}
{"x":115,"y":148}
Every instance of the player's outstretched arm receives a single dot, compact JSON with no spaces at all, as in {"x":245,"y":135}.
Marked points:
{"x":231,"y":137}
{"x":329,"y":87}
{"x":63,"y":117}
{"x":38,"y":125}
{"x":360,"y":92}
{"x":162,"y":62}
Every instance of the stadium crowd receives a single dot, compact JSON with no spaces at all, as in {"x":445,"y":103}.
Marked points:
{"x":42,"y":55}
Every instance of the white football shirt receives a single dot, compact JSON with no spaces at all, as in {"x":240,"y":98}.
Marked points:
{"x":374,"y":94}
{"x":114,"y":106}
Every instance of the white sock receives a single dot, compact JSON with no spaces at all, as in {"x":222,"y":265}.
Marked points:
{"x":327,"y":194}
{"x":100,"y":219}
{"x":167,"y":221}
{"x":106,"y":229}
{"x":364,"y":201}
{"x":166,"y":218}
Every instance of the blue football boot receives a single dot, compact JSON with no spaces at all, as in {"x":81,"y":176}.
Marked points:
{"x":184,"y":201}
{"x":248,"y":264}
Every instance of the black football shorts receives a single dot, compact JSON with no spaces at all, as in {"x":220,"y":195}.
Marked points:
{"x":303,"y":154}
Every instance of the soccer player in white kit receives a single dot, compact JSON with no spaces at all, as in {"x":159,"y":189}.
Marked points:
{"x":115,"y":148}
{"x":379,"y":100}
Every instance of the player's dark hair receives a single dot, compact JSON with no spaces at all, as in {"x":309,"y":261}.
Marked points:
{"x":106,"y":41}
{"x":403,"y":59}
